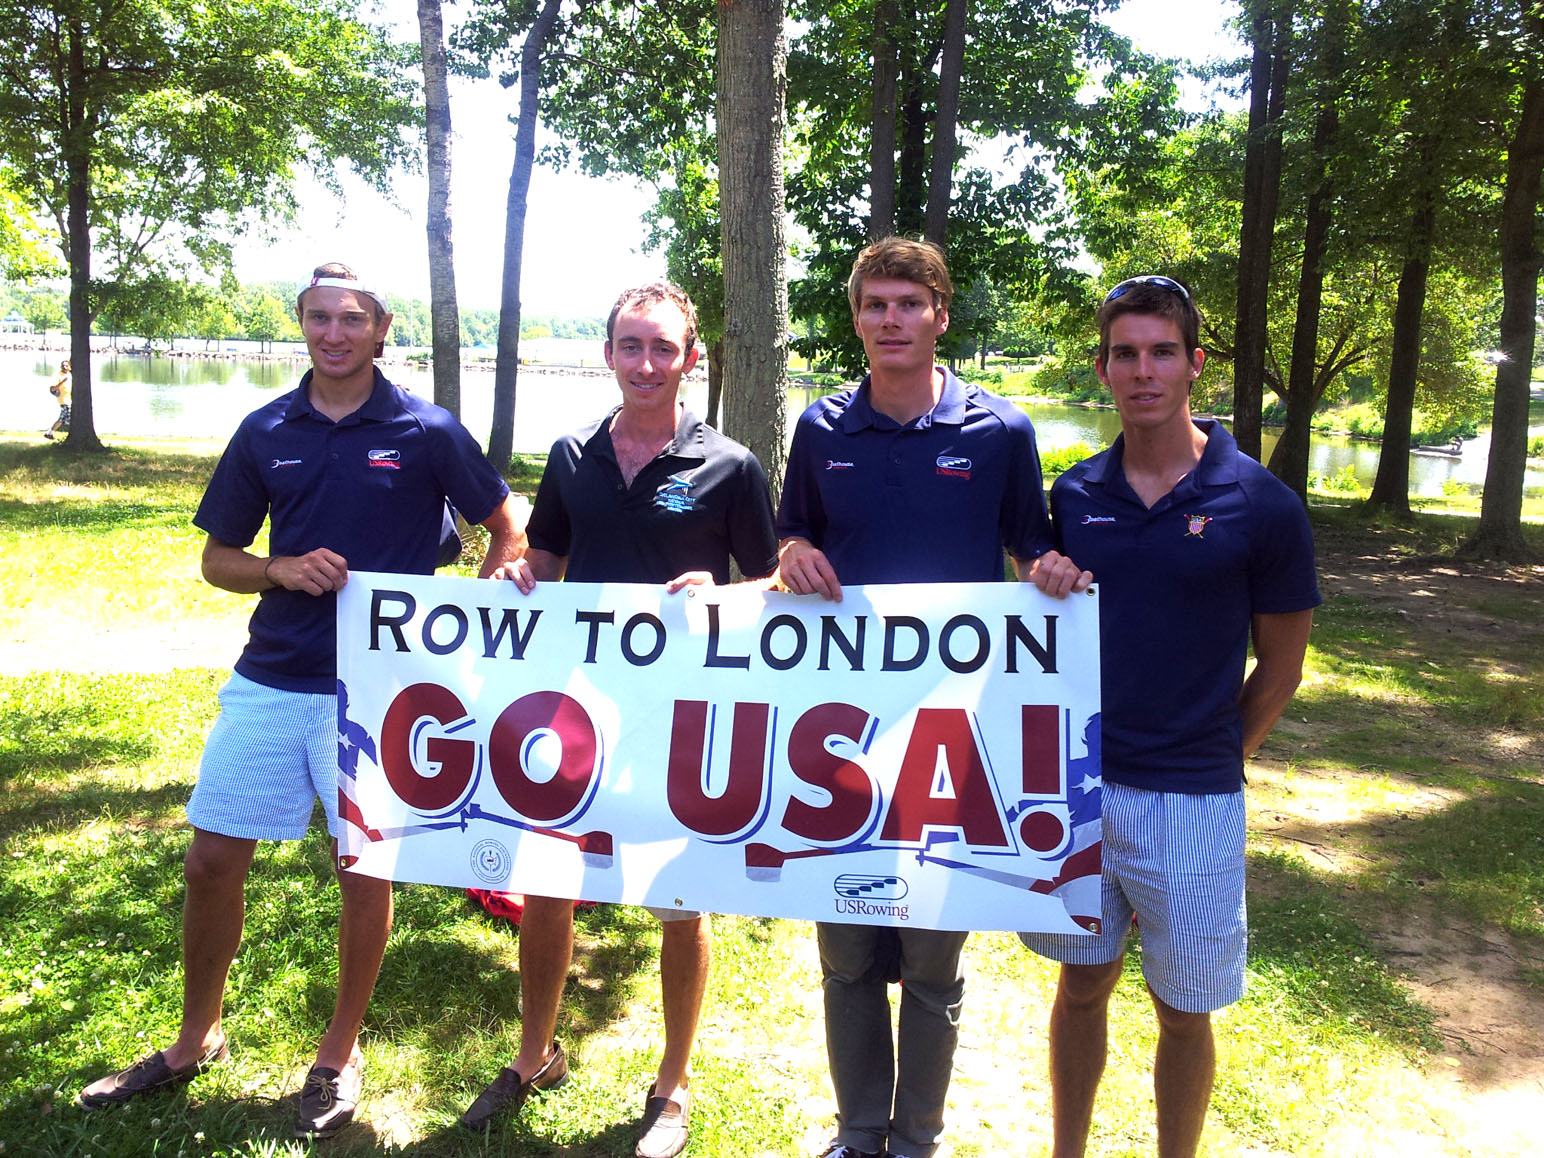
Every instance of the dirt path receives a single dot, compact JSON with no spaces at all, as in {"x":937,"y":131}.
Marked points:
{"x":1490,"y":1072}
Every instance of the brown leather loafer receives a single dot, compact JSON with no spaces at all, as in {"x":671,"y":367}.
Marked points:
{"x":666,"y":1128}
{"x":508,"y":1092}
{"x":328,"y":1098}
{"x":148,"y":1074}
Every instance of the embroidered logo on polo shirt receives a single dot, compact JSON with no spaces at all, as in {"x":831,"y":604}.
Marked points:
{"x":835,"y":464}
{"x":388,"y":459}
{"x":1195,"y":524}
{"x":953,"y":466}
{"x":283,"y":462}
{"x":1098,"y":519}
{"x":675,"y":495}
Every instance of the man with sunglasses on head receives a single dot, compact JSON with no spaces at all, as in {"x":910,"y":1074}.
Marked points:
{"x":1198,"y":551}
{"x":349,"y":472}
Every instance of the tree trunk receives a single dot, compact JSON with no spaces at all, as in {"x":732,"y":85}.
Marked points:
{"x":1499,"y":535}
{"x":444,"y":315}
{"x":1391,"y":487}
{"x":945,"y":126}
{"x":1289,"y":461}
{"x":83,"y":435}
{"x":1262,"y":180}
{"x":882,"y":142}
{"x":715,"y":381}
{"x":752,"y":78}
{"x":506,"y":366}
{"x":911,"y":188}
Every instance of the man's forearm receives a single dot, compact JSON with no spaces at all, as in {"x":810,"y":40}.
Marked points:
{"x":1280,"y":643}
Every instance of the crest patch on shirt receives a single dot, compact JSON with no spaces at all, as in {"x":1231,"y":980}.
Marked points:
{"x":953,"y":466}
{"x":388,"y":459}
{"x":675,"y":495}
{"x":1195,"y":524}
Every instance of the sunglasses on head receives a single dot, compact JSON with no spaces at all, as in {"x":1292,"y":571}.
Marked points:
{"x":1154,"y":279}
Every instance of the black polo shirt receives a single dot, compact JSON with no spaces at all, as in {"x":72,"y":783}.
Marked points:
{"x":700,"y":502}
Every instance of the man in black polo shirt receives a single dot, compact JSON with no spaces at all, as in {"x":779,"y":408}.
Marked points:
{"x":647,"y":494}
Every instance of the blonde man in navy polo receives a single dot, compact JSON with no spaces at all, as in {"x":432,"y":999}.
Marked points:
{"x":348,"y":470}
{"x":1198,"y":550}
{"x":647,"y":494}
{"x":913,"y":477}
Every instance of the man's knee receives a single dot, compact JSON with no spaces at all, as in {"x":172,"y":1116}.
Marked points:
{"x":1180,"y":1025}
{"x":214,"y":860}
{"x":692,"y":931}
{"x":1088,"y":986}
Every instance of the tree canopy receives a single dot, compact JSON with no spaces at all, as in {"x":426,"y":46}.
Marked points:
{"x":150,"y":132}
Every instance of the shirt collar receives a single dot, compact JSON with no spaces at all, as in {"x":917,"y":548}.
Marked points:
{"x":688,"y":441}
{"x":379,"y":407}
{"x":1218,"y":465}
{"x":949,"y":409}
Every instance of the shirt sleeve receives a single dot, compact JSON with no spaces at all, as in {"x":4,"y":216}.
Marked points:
{"x":752,"y":539}
{"x":800,"y":512}
{"x":235,"y":502}
{"x":1026,"y":526}
{"x":466,"y":476}
{"x":1282,"y":575}
{"x":549,"y":528}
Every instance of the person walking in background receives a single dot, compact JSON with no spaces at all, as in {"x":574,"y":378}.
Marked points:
{"x":61,"y":392}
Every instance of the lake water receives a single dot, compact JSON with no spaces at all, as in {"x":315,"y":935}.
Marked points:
{"x":193,"y":397}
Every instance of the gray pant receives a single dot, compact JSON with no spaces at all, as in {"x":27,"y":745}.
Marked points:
{"x":878,"y":1103}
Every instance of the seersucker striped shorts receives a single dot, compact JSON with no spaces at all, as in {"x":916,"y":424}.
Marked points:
{"x":1175,"y":861}
{"x":270,"y":756}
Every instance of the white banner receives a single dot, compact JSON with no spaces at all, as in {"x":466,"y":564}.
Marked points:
{"x":920,"y":754}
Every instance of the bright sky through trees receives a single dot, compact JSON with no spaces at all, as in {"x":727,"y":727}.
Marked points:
{"x":583,"y":239}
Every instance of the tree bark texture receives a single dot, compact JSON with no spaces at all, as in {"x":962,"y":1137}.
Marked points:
{"x":501,"y":438}
{"x":715,"y":381}
{"x":911,"y":187}
{"x":1500,"y":535}
{"x":1391,"y":487}
{"x":882,"y":142}
{"x":1262,"y":180}
{"x":945,"y":125}
{"x":752,"y":80}
{"x":83,"y":435}
{"x":1289,"y":460}
{"x":444,"y":314}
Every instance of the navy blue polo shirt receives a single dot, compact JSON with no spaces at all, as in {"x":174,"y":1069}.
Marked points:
{"x":933,"y":501}
{"x":1178,"y":586}
{"x":702,"y":500}
{"x":371,"y":487}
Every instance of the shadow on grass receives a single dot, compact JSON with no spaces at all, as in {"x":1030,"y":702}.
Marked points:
{"x":1322,"y":938}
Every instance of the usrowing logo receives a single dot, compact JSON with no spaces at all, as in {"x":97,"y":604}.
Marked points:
{"x":387,"y":459}
{"x":868,"y":895}
{"x":953,"y":466}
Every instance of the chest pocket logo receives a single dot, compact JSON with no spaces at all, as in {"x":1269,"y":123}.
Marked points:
{"x":675,"y":495}
{"x":387,"y":459}
{"x":1195,"y":525}
{"x":953,"y":466}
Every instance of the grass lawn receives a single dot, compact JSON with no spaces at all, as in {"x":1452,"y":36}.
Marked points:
{"x":1402,"y":791}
